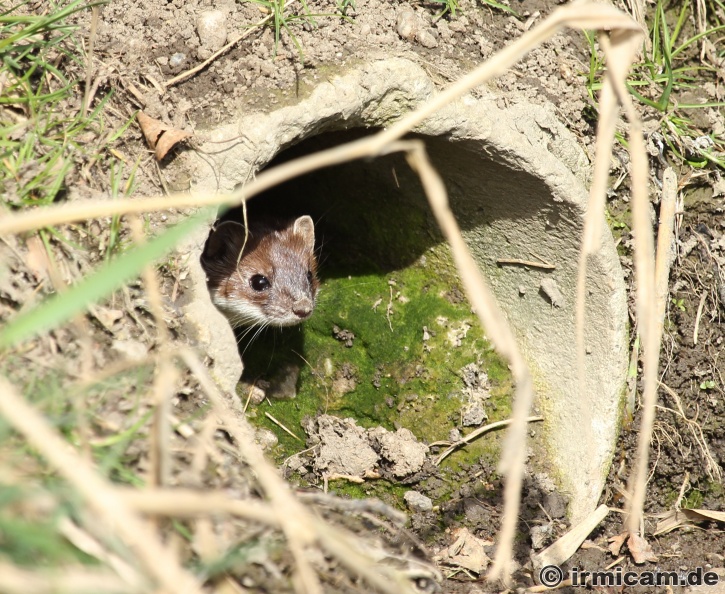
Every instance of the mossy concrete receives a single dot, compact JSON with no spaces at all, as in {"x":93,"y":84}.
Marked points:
{"x":516,"y":179}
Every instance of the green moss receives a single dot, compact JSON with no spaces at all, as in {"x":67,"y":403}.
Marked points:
{"x":389,"y":374}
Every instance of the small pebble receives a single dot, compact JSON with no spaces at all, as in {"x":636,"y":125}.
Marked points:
{"x":212,"y":29}
{"x":427,"y":38}
{"x":265,"y":438}
{"x":418,"y":502}
{"x":177,"y":60}
{"x":407,"y":24}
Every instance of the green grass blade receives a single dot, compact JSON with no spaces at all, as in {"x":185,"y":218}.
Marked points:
{"x":680,"y":22}
{"x":667,"y":58}
{"x":45,"y":22}
{"x":700,"y":105}
{"x":503,"y":7}
{"x":697,"y":37}
{"x":108,"y":278}
{"x":642,"y":98}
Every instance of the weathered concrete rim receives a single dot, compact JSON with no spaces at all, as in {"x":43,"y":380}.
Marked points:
{"x":523,"y":153}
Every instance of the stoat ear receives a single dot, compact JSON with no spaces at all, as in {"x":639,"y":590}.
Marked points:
{"x":305,"y":228}
{"x":225,"y":237}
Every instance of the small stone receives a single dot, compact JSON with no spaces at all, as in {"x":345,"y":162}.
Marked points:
{"x":549,"y":288}
{"x":540,"y":535}
{"x":265,"y":438}
{"x":474,"y":414}
{"x":255,"y":393}
{"x":458,"y":25}
{"x":177,"y":60}
{"x":283,"y":384}
{"x":133,"y":349}
{"x":418,"y":502}
{"x":427,"y":38}
{"x":407,"y":24}
{"x":212,"y":29}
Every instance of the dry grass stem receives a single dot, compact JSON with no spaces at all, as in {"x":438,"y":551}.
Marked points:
{"x":87,"y":97}
{"x":165,"y":374}
{"x":149,"y":551}
{"x":665,"y":239}
{"x":283,"y":427}
{"x":68,"y":580}
{"x":714,"y":472}
{"x":623,"y":49}
{"x":83,"y":541}
{"x":483,"y":302}
{"x":186,"y":503}
{"x":619,"y":48}
{"x":591,"y":235}
{"x":698,"y":316}
{"x":529,"y":263}
{"x":295,"y":521}
{"x":584,"y":15}
{"x":298,"y":524}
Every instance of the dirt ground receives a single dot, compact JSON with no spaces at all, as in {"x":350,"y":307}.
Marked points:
{"x":142,"y":43}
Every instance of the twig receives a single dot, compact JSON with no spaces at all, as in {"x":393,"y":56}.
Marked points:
{"x":475,"y":434}
{"x":281,"y":426}
{"x":189,"y":73}
{"x":697,"y":318}
{"x":514,"y":262}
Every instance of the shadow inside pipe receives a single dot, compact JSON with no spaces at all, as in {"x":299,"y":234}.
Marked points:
{"x":372,"y":218}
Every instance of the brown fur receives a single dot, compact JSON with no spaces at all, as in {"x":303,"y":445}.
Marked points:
{"x":281,"y":252}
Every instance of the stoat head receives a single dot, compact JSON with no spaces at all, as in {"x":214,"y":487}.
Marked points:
{"x":272,"y":280}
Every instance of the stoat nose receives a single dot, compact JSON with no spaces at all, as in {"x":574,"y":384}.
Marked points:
{"x":302,"y":311}
{"x":303,"y":308}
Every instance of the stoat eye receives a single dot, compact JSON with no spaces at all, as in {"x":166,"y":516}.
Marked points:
{"x":309,"y":276}
{"x":259,"y":283}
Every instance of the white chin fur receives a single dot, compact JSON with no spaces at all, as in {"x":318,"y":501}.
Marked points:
{"x":247,"y":314}
{"x":240,"y":313}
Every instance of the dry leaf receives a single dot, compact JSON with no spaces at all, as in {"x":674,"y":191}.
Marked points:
{"x":568,"y":544}
{"x":159,"y":136}
{"x":466,"y":552}
{"x":106,"y":316}
{"x":616,"y":543}
{"x":37,"y":260}
{"x":680,"y":518}
{"x":640,"y":549}
{"x":669,"y":521}
{"x":700,"y":515}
